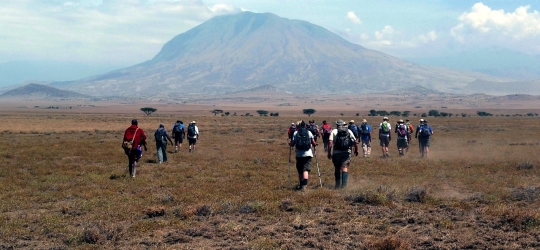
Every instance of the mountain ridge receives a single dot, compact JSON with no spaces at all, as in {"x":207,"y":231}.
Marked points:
{"x":232,"y":53}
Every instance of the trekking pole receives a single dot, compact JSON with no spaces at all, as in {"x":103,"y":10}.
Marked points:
{"x":290,"y":151}
{"x":317,"y":162}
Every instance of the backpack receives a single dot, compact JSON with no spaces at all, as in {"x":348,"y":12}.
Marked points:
{"x":303,"y":141}
{"x":327,"y":129}
{"x":354,"y":129}
{"x":385,"y":127}
{"x":191,"y":130}
{"x":402,"y":130}
{"x":177,"y":128}
{"x":291,"y":131}
{"x":343,"y":140}
{"x":313,"y":129}
{"x":424,"y":131}
{"x":159,"y":135}
{"x":410,"y":128}
{"x":364,"y":129}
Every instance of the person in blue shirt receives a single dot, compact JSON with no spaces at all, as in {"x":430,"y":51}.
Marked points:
{"x":178,"y":134}
{"x":364,"y":132}
{"x":424,"y":133}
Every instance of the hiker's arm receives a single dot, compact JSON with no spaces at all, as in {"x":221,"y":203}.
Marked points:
{"x":355,"y":149}
{"x":292,"y":143}
{"x":313,"y":143}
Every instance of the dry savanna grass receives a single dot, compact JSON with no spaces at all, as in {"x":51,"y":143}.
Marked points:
{"x":64,"y":185}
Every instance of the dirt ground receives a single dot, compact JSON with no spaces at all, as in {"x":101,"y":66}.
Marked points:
{"x":480,"y":193}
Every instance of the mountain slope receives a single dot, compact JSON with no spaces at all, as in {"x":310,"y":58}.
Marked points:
{"x":41,"y":91}
{"x":236,"y":52}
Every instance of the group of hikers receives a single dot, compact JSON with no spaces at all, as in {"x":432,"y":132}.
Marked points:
{"x":343,"y":140}
{"x":134,"y":141}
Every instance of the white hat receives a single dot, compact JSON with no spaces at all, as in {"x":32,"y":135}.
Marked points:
{"x":193,"y":122}
{"x":385,"y":118}
{"x":352,"y":121}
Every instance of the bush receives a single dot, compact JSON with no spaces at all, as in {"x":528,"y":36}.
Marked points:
{"x":416,"y":194}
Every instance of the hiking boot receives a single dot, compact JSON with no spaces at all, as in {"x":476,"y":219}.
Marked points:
{"x":176,"y":149}
{"x":302,"y":188}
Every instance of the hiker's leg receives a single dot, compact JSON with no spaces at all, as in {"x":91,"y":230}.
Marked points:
{"x":159,"y":152}
{"x":130,"y":164}
{"x":164,"y":149}
{"x":299,"y":170}
{"x":337,"y":171}
{"x":346,"y":160}
{"x":134,"y":168}
{"x":364,"y":147}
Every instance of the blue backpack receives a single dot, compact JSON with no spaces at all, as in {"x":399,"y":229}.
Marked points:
{"x":424,"y":131}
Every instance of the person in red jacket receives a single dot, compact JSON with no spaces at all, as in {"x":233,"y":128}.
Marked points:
{"x":135,"y":134}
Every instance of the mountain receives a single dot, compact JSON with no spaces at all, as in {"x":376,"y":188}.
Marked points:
{"x":41,"y":91}
{"x":236,"y":52}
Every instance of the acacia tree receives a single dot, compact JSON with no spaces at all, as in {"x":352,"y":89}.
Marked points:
{"x":262,"y":112}
{"x":217,"y":111}
{"x":309,"y":112}
{"x":148,"y":110}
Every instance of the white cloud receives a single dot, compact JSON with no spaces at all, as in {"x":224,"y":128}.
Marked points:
{"x":128,"y":31}
{"x":351,"y":16}
{"x":429,"y":37}
{"x":482,"y":22}
{"x":385,"y":36}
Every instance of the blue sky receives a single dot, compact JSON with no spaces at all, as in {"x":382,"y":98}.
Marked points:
{"x":127,"y":32}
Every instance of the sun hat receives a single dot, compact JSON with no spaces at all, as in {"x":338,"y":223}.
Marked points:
{"x":421,"y":120}
{"x":340,"y":122}
{"x":193,"y":122}
{"x":385,"y":118}
{"x":364,"y":121}
{"x":400,"y":121}
{"x":352,"y":121}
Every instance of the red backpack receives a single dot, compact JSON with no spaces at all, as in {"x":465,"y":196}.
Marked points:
{"x":327,"y":129}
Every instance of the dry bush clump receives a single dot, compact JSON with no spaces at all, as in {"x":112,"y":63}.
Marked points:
{"x":154,"y":212}
{"x":525,"y":165}
{"x":416,"y":194}
{"x":390,"y":243}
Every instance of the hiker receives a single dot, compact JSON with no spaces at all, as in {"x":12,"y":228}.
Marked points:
{"x":341,"y":141}
{"x":364,"y":132}
{"x":384,"y":136}
{"x":420,"y":123}
{"x":291,"y":130}
{"x":410,"y":130}
{"x":178,"y":134}
{"x":137,"y":138}
{"x":402,"y":133}
{"x":424,"y":133}
{"x":303,"y":140}
{"x":314,"y":129}
{"x":161,"y":135}
{"x":326,"y":131}
{"x":353,"y":128}
{"x":193,"y":135}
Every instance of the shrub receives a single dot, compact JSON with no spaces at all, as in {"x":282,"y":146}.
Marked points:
{"x":416,"y":194}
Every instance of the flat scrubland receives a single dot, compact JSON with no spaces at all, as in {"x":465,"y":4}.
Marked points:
{"x":64,"y":185}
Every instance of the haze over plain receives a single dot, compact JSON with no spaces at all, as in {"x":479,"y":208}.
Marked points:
{"x":91,"y":37}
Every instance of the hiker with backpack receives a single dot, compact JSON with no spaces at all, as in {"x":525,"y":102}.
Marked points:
{"x":314,"y":129}
{"x":384,"y":136}
{"x":161,"y":135}
{"x":193,"y":135}
{"x":402,"y":133}
{"x":420,"y":123}
{"x":303,"y":140}
{"x":178,"y":134}
{"x":133,"y":142}
{"x":410,"y":130}
{"x":326,"y":131}
{"x":364,"y":131}
{"x":339,"y":150}
{"x":353,"y":128}
{"x":291,"y":130}
{"x":424,"y":133}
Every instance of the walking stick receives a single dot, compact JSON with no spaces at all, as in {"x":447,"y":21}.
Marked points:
{"x":317,"y":162}
{"x":290,"y":151}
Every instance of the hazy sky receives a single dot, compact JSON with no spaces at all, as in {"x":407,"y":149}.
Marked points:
{"x":127,"y":32}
